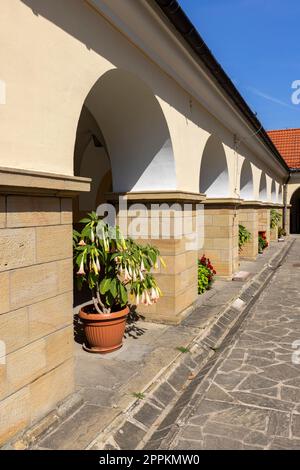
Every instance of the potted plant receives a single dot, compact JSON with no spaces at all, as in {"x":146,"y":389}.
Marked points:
{"x":281,"y":234}
{"x":114,"y":269}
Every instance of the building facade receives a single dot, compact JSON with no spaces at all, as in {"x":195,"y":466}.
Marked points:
{"x":100,"y":98}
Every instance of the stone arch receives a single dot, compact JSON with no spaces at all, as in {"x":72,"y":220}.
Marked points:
{"x":214,"y":175}
{"x":137,"y":139}
{"x":295,"y":212}
{"x":246,"y":181}
{"x":263,"y":193}
{"x":273,"y":192}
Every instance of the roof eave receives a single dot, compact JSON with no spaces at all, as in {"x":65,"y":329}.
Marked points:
{"x":184,"y":26}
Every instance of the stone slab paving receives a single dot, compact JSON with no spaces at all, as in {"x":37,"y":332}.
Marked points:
{"x":250,"y":399}
{"x":105,"y":384}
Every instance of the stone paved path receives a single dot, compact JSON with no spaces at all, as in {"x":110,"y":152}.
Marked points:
{"x":252,"y":397}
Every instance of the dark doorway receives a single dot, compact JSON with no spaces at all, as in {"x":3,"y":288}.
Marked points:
{"x":295,"y":212}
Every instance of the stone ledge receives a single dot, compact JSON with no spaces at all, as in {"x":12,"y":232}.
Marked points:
{"x":223,"y":202}
{"x":13,"y":181}
{"x":158,"y":196}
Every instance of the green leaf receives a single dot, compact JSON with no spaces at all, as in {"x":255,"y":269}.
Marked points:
{"x":113,"y":288}
{"x":105,"y":285}
{"x":123,"y":294}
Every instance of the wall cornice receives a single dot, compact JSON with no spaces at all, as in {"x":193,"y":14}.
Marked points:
{"x":145,"y":26}
{"x":23,"y":181}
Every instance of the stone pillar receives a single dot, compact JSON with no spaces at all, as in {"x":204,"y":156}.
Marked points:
{"x":264,"y":221}
{"x":248,"y":217}
{"x":274,"y":234}
{"x":178,"y":281}
{"x":221,"y":235}
{"x":36,"y":292}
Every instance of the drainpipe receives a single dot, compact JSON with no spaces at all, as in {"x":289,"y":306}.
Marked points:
{"x":285,"y":202}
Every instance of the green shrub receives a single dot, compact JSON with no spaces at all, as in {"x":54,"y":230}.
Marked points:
{"x":244,"y":236}
{"x":275,"y":218}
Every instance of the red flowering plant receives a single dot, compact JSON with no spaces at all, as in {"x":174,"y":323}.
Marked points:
{"x":262,"y":241}
{"x":206,"y":273}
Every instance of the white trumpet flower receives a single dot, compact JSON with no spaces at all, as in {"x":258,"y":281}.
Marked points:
{"x":148,"y":300}
{"x":81,"y":270}
{"x":126,"y":274}
{"x":95,"y":268}
{"x":154,"y":294}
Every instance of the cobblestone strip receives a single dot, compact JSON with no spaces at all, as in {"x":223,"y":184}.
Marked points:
{"x":151,"y":422}
{"x":251,"y":397}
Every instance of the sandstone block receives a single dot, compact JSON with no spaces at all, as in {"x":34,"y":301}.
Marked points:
{"x":14,"y":414}
{"x":2,"y":212}
{"x":25,"y":365}
{"x":66,"y":205}
{"x":59,"y":347}
{"x":49,"y":315}
{"x":33,"y":284}
{"x":31,"y":211}
{"x":53,"y":243}
{"x":17,"y":248}
{"x":14,"y":329}
{"x":4,"y":292}
{"x":50,"y":389}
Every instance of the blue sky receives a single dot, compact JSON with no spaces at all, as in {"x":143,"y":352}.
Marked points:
{"x":257,"y":43}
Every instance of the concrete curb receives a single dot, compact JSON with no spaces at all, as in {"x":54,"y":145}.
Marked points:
{"x":149,"y":423}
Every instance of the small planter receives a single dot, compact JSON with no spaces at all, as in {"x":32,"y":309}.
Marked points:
{"x":104,"y":332}
{"x":113,"y":268}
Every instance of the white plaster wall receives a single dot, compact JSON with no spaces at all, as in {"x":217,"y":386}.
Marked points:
{"x":273,"y":192}
{"x":135,"y":132}
{"x":263,"y":188}
{"x":214,"y":173}
{"x":52,"y":53}
{"x":94,"y":164}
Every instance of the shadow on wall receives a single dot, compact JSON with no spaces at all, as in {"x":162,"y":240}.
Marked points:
{"x":214,"y":178}
{"x":246,"y":184}
{"x":273,"y":192}
{"x":83,"y":25}
{"x":295,"y":212}
{"x":280,"y":195}
{"x":136,"y":134}
{"x":263,"y":196}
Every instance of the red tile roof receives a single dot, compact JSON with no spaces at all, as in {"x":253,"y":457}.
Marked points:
{"x":287,"y":142}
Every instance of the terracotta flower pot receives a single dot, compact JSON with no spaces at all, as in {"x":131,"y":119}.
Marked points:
{"x":104,"y":333}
